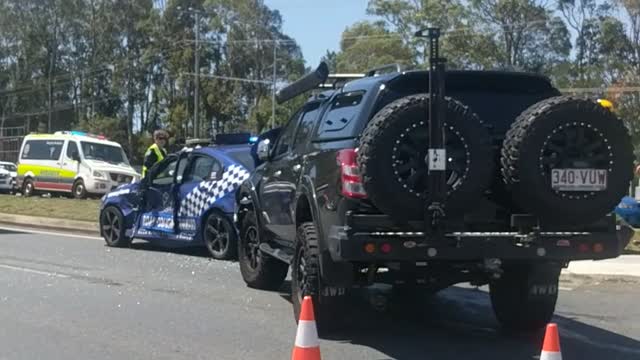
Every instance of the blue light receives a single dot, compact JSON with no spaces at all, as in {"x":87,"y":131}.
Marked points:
{"x":253,"y":139}
{"x":79,"y":133}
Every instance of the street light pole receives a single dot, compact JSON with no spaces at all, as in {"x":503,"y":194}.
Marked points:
{"x":196,"y":128}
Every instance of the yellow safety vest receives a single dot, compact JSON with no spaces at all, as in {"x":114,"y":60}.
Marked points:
{"x":159,"y":157}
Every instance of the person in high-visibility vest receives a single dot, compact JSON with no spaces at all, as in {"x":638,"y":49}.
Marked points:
{"x":156,"y":152}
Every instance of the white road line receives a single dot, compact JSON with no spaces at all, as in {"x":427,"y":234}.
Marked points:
{"x":565,"y":288}
{"x":50,"y":233}
{"x":19,"y":268}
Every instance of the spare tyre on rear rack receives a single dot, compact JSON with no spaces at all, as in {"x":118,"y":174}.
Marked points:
{"x":393,"y":158}
{"x":567,"y":161}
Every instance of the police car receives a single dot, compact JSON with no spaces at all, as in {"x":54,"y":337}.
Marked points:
{"x":187,"y":199}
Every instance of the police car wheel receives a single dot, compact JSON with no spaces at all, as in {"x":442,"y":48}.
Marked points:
{"x":219,"y":237}
{"x":112,"y":228}
{"x":79,"y":190}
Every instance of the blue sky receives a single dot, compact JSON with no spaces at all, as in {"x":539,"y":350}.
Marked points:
{"x":317,"y":24}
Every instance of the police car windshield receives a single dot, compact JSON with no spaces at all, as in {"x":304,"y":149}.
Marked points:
{"x":103,"y":152}
{"x":9,"y":167}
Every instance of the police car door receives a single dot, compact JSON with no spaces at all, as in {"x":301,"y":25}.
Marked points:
{"x":195,"y":192}
{"x":157,"y":220}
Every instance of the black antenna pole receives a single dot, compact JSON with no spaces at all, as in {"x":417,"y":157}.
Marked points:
{"x":437,"y":158}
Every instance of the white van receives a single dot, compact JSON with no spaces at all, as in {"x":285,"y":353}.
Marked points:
{"x":72,"y":162}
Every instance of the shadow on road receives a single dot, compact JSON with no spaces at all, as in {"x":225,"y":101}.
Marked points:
{"x":10,"y":232}
{"x":458,"y":323}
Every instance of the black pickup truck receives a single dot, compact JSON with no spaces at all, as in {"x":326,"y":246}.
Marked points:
{"x":349,"y":191}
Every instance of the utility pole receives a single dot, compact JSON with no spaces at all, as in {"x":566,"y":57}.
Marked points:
{"x":196,"y":125}
{"x":273,"y":91}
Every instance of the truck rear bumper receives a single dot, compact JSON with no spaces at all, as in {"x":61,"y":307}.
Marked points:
{"x":368,"y":238}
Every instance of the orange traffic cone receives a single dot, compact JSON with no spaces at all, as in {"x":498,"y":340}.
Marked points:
{"x":307,"y":345}
{"x":551,"y":345}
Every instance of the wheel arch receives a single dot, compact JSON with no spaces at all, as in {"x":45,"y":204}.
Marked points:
{"x":338,"y":274}
{"x":246,"y":198}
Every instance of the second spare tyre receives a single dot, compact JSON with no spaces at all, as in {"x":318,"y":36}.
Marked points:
{"x":393,"y":158}
{"x":567,"y":161}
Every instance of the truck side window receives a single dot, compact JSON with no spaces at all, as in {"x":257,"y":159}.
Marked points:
{"x":340,"y":119}
{"x":285,"y":141}
{"x":307,"y":124}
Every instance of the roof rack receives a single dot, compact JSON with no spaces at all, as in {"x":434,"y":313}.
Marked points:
{"x":335,"y":81}
{"x":378,"y":70}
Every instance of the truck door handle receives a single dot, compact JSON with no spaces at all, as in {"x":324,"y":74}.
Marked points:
{"x":297,"y":167}
{"x":277,"y":173}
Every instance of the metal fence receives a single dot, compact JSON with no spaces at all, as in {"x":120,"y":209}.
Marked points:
{"x":10,"y":141}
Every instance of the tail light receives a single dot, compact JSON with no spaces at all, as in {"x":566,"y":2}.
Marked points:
{"x":350,"y":174}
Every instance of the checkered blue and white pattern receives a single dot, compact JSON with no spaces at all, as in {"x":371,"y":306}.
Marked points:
{"x":208,"y":192}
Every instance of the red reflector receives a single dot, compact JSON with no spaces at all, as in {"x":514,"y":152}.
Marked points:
{"x":385,"y":248}
{"x":369,"y":248}
{"x":598,"y":248}
{"x":584,"y":248}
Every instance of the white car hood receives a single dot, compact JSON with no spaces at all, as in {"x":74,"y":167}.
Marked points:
{"x":111,"y":168}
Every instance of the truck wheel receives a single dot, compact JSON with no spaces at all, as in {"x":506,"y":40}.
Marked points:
{"x":396,"y":143}
{"x":566,"y":133}
{"x":524,"y":298}
{"x":28,"y":188}
{"x":307,"y":280}
{"x":259,"y":270}
{"x":219,"y":237}
{"x":112,"y":228}
{"x":79,"y":190}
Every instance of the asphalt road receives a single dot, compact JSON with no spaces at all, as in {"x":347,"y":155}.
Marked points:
{"x":72,"y":298}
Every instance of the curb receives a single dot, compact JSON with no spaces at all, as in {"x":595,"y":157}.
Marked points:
{"x":84,"y":227}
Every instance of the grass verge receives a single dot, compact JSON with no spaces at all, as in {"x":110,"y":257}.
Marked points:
{"x":57,"y":208}
{"x":634,"y":245}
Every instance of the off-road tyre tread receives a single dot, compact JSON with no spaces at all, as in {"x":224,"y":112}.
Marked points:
{"x":514,"y":306}
{"x":480,"y":169}
{"x":270,"y":273}
{"x":328,"y":310}
{"x":536,"y":201}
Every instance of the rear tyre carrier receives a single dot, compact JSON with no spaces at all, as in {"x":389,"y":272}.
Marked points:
{"x":567,"y":160}
{"x":393,"y":157}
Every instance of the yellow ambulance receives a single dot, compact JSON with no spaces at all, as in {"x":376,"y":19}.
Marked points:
{"x":72,"y":162}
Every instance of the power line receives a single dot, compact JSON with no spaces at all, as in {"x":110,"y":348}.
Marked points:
{"x":230,"y":78}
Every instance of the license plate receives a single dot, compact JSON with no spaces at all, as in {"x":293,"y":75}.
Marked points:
{"x":579,"y":179}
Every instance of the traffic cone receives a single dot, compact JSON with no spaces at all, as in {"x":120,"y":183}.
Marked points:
{"x":307,"y":345}
{"x":551,"y":345}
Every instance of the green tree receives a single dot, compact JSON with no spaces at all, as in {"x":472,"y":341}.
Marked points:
{"x":366,"y":45}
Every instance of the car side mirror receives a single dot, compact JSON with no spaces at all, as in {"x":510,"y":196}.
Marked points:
{"x":75,"y":156}
{"x":264,"y":148}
